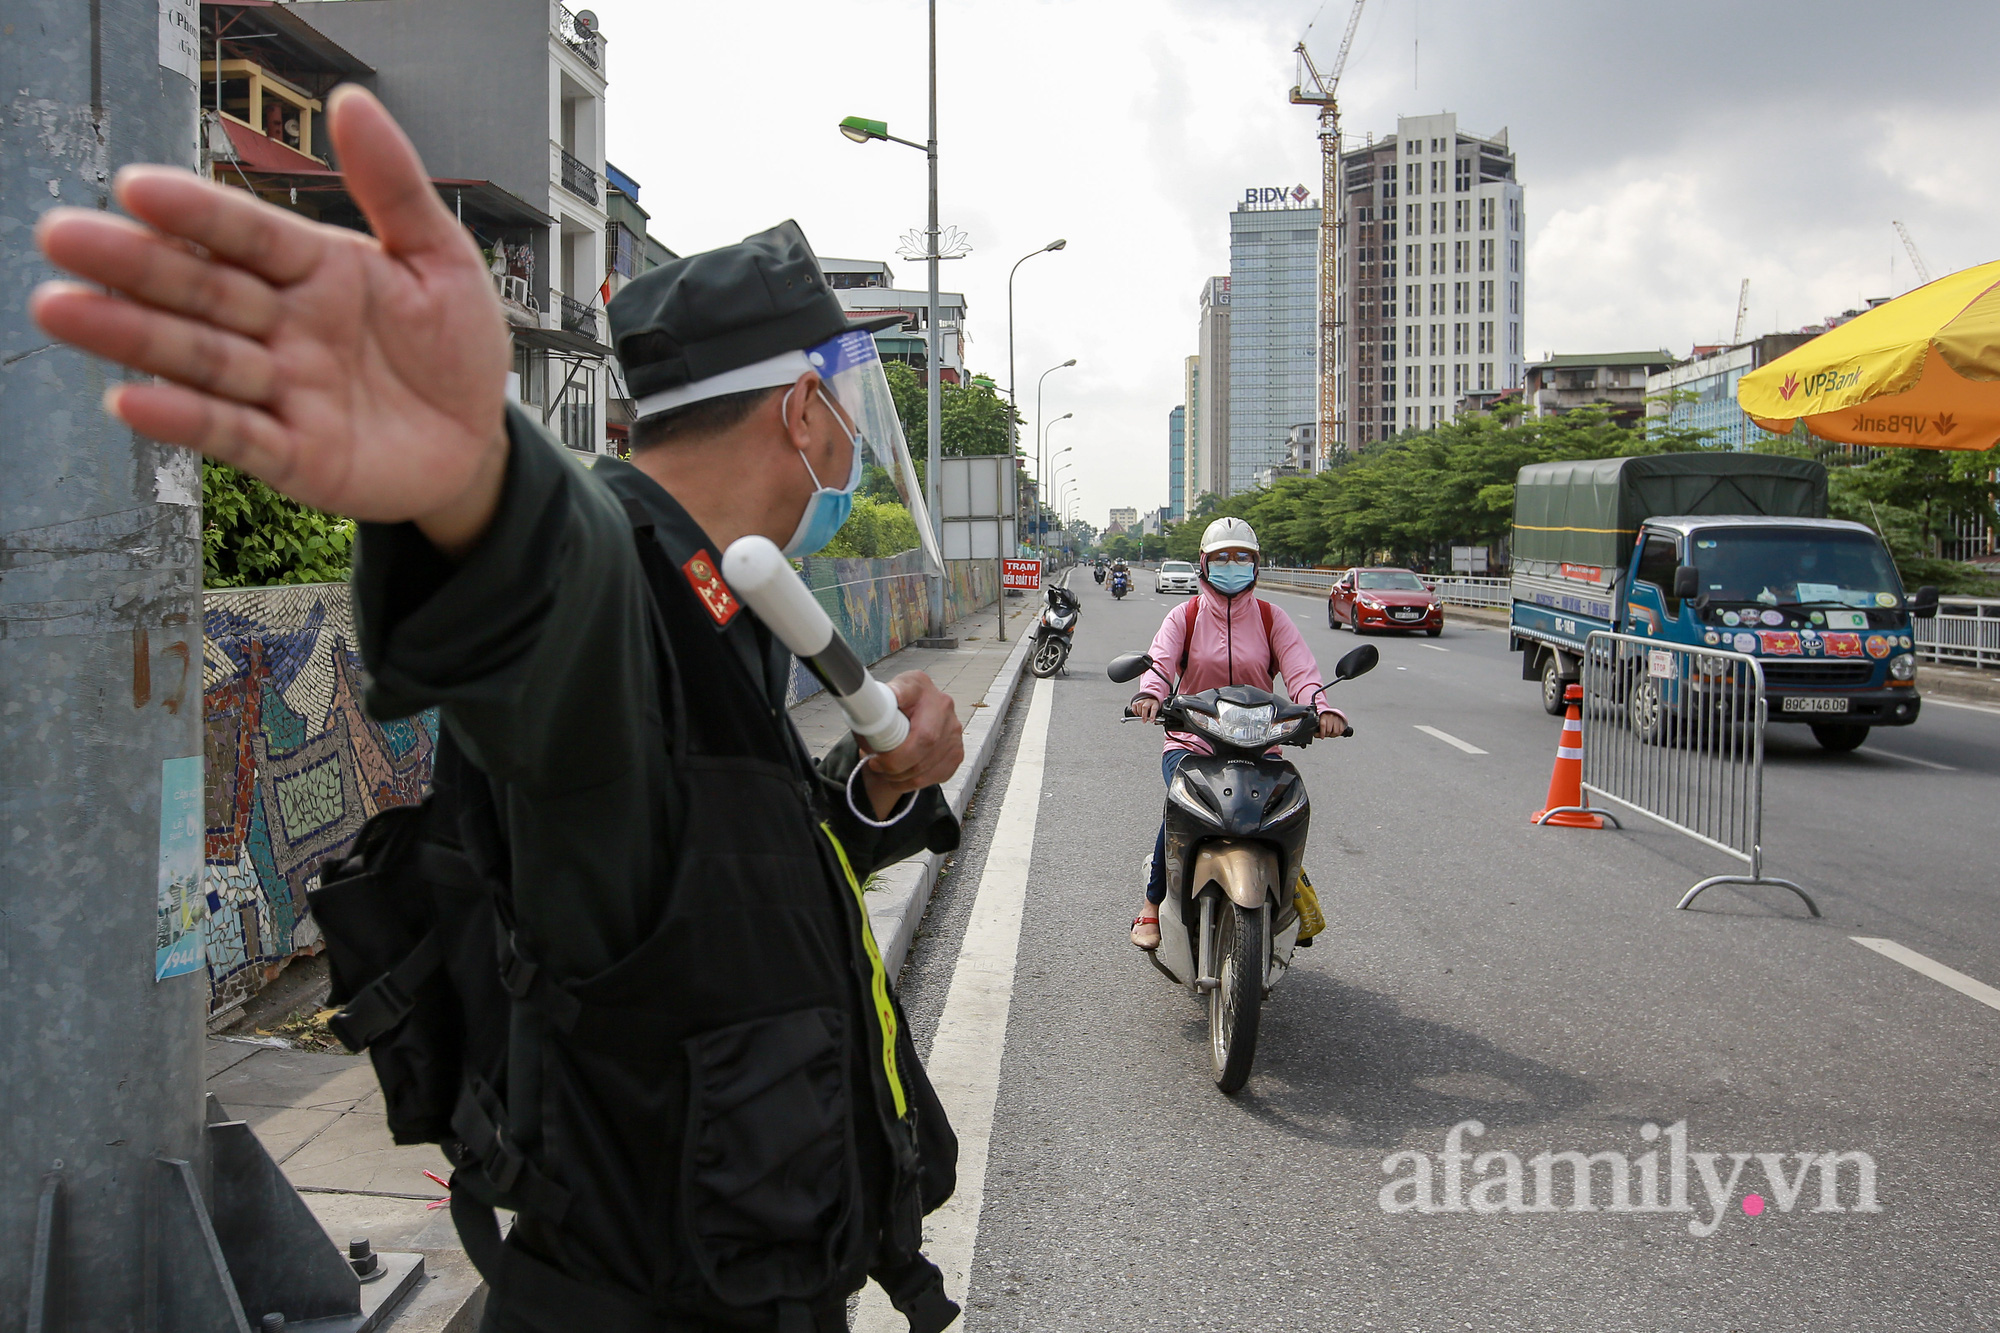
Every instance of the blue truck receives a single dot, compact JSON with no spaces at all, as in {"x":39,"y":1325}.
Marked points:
{"x":1723,"y":550}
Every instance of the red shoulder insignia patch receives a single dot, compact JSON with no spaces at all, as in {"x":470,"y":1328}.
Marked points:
{"x":720,"y":603}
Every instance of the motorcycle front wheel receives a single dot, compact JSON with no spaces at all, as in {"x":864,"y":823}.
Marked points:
{"x":1049,"y":656}
{"x":1240,"y":952}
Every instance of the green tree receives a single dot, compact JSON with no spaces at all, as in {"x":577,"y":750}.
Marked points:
{"x":1913,"y":498}
{"x":876,"y":528}
{"x":252,"y":536}
{"x":972,"y":416}
{"x":1411,"y":499}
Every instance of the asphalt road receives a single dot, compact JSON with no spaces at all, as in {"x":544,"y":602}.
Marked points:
{"x":1476,"y":968}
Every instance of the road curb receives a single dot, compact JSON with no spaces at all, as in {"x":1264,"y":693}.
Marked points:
{"x":902,"y":891}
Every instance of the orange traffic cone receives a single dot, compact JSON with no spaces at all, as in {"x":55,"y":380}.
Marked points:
{"x":1566,"y":780}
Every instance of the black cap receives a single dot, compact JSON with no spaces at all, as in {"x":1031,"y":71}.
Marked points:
{"x":693,"y":318}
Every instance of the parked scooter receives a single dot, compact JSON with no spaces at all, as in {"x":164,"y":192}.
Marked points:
{"x":1236,"y":837}
{"x":1121,"y":583}
{"x":1056,"y":632}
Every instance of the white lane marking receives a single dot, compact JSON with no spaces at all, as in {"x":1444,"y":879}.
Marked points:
{"x":1450,"y":739}
{"x":1953,"y":703}
{"x":1933,"y":969}
{"x":1433,"y":647}
{"x":1911,"y":759}
{"x":972,"y":1032}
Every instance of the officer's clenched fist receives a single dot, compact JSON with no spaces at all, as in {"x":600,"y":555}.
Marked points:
{"x":931,"y":752}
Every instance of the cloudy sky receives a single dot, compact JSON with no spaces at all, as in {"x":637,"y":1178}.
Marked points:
{"x":1666,"y":154}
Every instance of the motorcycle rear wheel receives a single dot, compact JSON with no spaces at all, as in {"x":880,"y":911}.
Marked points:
{"x":1241,"y":953}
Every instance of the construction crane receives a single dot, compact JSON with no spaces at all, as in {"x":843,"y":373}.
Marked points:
{"x":1916,"y":260}
{"x":1742,"y":312}
{"x":1315,"y":89}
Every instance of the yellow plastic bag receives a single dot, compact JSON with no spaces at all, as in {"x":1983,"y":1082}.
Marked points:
{"x":1311,"y":922}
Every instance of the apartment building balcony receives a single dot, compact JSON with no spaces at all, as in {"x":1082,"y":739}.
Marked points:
{"x":577,"y":176}
{"x":581,"y":38}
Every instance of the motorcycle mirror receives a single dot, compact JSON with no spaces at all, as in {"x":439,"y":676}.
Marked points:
{"x":1130,"y":666}
{"x":1357,"y":663}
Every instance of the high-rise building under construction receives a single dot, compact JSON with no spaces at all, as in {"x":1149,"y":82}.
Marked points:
{"x":1429,"y":277}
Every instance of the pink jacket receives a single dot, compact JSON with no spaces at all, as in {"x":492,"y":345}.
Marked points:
{"x":1230,"y":648}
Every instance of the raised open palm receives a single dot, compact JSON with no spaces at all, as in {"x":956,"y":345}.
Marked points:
{"x":360,"y":374}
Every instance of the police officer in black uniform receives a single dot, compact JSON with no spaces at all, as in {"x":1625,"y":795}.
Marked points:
{"x":714,"y":1082}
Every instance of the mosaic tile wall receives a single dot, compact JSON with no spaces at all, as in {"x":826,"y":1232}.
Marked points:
{"x":293,"y":768}
{"x":879,"y":605}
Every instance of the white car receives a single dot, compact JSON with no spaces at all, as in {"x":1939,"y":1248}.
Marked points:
{"x":1174,"y":576}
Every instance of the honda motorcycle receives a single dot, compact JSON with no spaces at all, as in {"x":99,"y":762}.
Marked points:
{"x":1097,"y":572}
{"x":1056,"y":632}
{"x":1236,"y":837}
{"x":1121,"y":583}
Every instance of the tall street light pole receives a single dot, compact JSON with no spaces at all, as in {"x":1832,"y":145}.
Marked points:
{"x":1013,"y":406}
{"x":1039,"y":431}
{"x":861,"y":130}
{"x":1041,"y":475}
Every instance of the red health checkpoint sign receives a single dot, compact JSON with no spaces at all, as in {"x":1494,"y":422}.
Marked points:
{"x":1021,"y":574}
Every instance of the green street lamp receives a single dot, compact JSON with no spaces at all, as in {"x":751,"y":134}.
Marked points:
{"x":861,"y":129}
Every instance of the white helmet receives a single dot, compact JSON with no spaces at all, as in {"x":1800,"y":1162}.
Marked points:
{"x":1229,"y":532}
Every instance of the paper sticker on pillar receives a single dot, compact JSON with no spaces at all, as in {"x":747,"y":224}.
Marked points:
{"x":182,"y":905}
{"x":1779,"y":643}
{"x":1879,"y":645}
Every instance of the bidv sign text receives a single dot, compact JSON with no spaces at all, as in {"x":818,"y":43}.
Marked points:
{"x":1268,"y":196}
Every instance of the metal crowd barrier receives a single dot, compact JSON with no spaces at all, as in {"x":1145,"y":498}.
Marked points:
{"x":1471,"y":590}
{"x":1965,"y":632}
{"x":1677,"y":734}
{"x":1454,"y":589}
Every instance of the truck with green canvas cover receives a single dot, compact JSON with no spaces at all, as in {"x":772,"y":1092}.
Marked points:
{"x":1722,"y":550}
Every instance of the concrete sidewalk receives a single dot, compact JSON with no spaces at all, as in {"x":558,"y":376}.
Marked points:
{"x":320,"y":1114}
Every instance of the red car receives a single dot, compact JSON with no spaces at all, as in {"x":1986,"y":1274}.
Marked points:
{"x":1365,"y":599}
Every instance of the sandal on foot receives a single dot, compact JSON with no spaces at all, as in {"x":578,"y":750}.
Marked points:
{"x":1152,"y":921}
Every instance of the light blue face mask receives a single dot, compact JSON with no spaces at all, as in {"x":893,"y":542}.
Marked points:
{"x":828,"y":508}
{"x":1231,"y":579}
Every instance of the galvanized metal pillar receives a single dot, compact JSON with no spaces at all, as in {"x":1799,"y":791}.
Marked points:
{"x":100,"y":655}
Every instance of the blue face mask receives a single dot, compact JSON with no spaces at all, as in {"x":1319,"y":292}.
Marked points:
{"x":1231,"y":579}
{"x":826,"y":512}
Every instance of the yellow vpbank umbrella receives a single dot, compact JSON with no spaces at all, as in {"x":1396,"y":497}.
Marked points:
{"x":1919,"y":372}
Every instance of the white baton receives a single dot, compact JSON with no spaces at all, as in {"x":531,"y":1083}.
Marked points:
{"x":758,"y":572}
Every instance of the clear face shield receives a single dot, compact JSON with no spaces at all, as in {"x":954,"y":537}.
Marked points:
{"x":850,"y":369}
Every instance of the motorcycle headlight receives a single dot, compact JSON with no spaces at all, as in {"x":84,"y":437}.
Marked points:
{"x":1903,"y":666}
{"x":1235,"y":724}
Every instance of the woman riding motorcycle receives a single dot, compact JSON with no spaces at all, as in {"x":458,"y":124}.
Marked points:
{"x":1237,"y":638}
